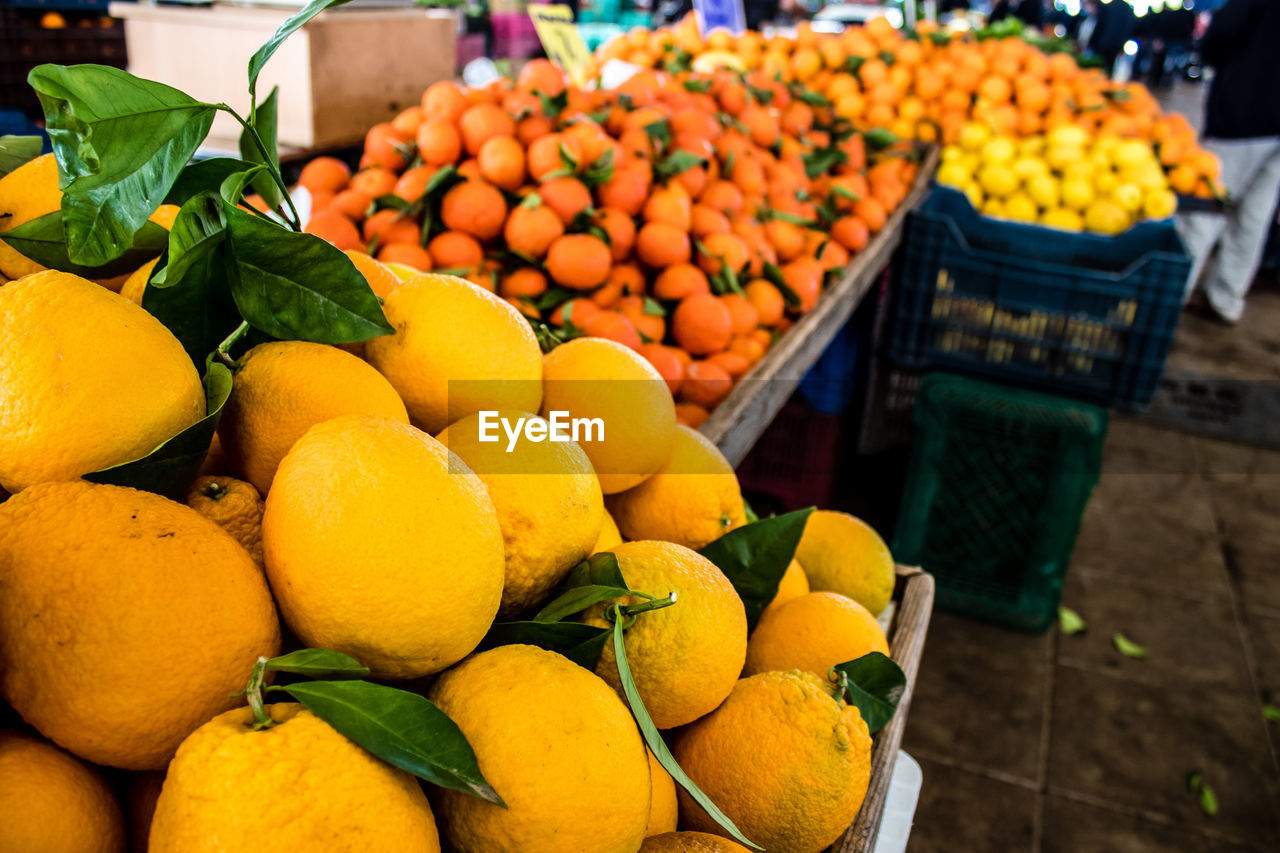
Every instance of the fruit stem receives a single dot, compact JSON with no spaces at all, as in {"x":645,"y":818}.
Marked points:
{"x":273,"y":170}
{"x":651,"y":604}
{"x":231,"y":341}
{"x":253,"y":693}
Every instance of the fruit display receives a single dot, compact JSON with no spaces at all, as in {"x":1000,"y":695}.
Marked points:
{"x":928,"y":84}
{"x":1065,"y":179}
{"x":301,"y":544}
{"x":690,"y":217}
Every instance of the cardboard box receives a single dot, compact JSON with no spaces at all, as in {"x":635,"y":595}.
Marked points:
{"x":345,"y":71}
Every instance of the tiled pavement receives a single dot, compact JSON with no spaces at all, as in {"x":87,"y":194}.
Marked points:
{"x":1057,"y":744}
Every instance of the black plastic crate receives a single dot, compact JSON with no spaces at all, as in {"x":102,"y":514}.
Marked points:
{"x":88,"y":37}
{"x":1085,"y":315}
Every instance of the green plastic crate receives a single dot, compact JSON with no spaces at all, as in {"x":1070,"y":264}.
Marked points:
{"x":999,"y":479}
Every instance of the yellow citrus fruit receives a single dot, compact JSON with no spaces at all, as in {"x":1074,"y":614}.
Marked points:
{"x":50,"y":802}
{"x":690,"y":842}
{"x":127,"y":620}
{"x":953,"y":174}
{"x":136,"y":283}
{"x":587,"y":789}
{"x":28,"y":192}
{"x":993,"y":207}
{"x":1128,"y":196}
{"x":299,"y":783}
{"x":998,"y":151}
{"x":1068,"y":135}
{"x":663,"y":805}
{"x":813,"y":632}
{"x":974,"y":193}
{"x":793,"y":584}
{"x":599,"y":379}
{"x":277,"y":397}
{"x":997,"y":181}
{"x":973,"y":136}
{"x":1131,"y":152}
{"x":87,"y":380}
{"x":785,"y":760}
{"x":1063,"y":219}
{"x":685,"y":658}
{"x":457,"y":350}
{"x":382,"y":278}
{"x":382,"y":544}
{"x":692,"y":500}
{"x":1060,"y":157}
{"x":1106,"y":217}
{"x":1160,"y":204}
{"x":844,"y":554}
{"x":548,"y":500}
{"x":1026,"y":168}
{"x":1021,"y":208}
{"x":1077,"y":193}
{"x":609,"y":537}
{"x":233,"y":505}
{"x":1044,"y":191}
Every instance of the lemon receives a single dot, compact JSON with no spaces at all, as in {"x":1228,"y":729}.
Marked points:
{"x":1020,"y":207}
{"x":973,"y":136}
{"x":1105,"y":183}
{"x":1160,"y":204}
{"x":1131,"y":153}
{"x":1128,"y":196}
{"x":1081,"y":168}
{"x":1032,"y":146}
{"x":1029,"y":167}
{"x":997,"y":181}
{"x":1068,"y":135}
{"x":974,"y":193}
{"x":1044,"y":191}
{"x":1106,"y":217}
{"x":953,"y":174}
{"x":1077,"y":193}
{"x":952,"y":153}
{"x":1062,"y":156}
{"x":998,"y":150}
{"x":1062,"y":218}
{"x":993,"y":207}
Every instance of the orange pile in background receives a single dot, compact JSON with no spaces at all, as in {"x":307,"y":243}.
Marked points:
{"x":692,"y":217}
{"x":926,"y":85}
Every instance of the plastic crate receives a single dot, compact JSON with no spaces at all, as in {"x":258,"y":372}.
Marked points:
{"x":1079,"y":314}
{"x":999,"y":479}
{"x":829,"y":383}
{"x":24,"y":44}
{"x":795,"y":463}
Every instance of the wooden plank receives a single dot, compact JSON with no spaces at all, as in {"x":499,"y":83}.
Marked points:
{"x":911,"y":624}
{"x":754,"y":402}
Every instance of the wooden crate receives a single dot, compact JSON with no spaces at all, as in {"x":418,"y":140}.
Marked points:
{"x":345,"y":71}
{"x":913,"y":596}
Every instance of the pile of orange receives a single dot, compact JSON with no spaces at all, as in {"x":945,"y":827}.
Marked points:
{"x":692,"y":217}
{"x":928,"y":84}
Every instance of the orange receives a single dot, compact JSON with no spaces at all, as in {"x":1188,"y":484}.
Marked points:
{"x":596,"y":378}
{"x":407,"y":254}
{"x":680,"y":281}
{"x":501,"y":161}
{"x":813,"y":632}
{"x":325,"y":174}
{"x":666,"y":362}
{"x":351,"y":203}
{"x":705,"y":384}
{"x":690,"y":842}
{"x":532,"y":230}
{"x":693,"y":499}
{"x":691,"y":415}
{"x":123,"y":581}
{"x":723,"y":196}
{"x":233,"y":505}
{"x":375,"y":181}
{"x":566,"y":196}
{"x":481,"y":123}
{"x":661,"y":245}
{"x":626,"y":190}
{"x":767,"y":301}
{"x":579,"y":261}
{"x":707,"y":220}
{"x":412,"y":184}
{"x":476,"y":208}
{"x":541,"y":75}
{"x":844,"y":554}
{"x":384,"y":147}
{"x":275,"y":400}
{"x":743,"y":315}
{"x":388,"y":226}
{"x":523,"y":282}
{"x":621,"y":230}
{"x":851,"y":232}
{"x":702,"y":324}
{"x":552,"y":153}
{"x":439,"y":142}
{"x":335,"y":228}
{"x":723,"y":250}
{"x":804,"y":277}
{"x":685,"y":658}
{"x":612,"y":326}
{"x":455,"y":250}
{"x":457,"y":349}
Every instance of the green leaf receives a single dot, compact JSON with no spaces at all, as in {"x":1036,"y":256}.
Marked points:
{"x":594,"y":580}
{"x":761,"y":96}
{"x":873,"y":683}
{"x":402,"y":728}
{"x":822,"y":161}
{"x":552,"y":107}
{"x":1208,"y":800}
{"x":319,"y":663}
{"x":879,"y":139}
{"x":1193,"y":779}
{"x":294,"y":23}
{"x":17,"y":150}
{"x":697,"y":86}
{"x":811,"y":98}
{"x":653,"y":307}
{"x":659,"y":131}
{"x":792,"y":218}
{"x":654,"y":739}
{"x":755,"y":557}
{"x":389,"y":201}
{"x":773,"y":274}
{"x":677,"y":162}
{"x":198,"y":230}
{"x":44,"y":241}
{"x":846,"y":193}
{"x":204,"y":175}
{"x":751,"y":513}
{"x":1069,"y":622}
{"x":1271,"y":713}
{"x":232,"y":190}
{"x":170,"y":468}
{"x":600,"y":170}
{"x":197,"y":306}
{"x":1128,"y":647}
{"x":295,"y":286}
{"x":120,"y":142}
{"x":577,"y":641}
{"x":264,"y":121}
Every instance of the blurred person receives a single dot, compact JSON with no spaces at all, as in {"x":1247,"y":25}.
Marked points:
{"x":1030,"y":12}
{"x":1242,"y":127}
{"x":1110,"y":25}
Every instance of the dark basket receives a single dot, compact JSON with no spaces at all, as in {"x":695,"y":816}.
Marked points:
{"x":999,"y":479}
{"x":88,"y":37}
{"x":796,"y":461}
{"x":1079,"y":314}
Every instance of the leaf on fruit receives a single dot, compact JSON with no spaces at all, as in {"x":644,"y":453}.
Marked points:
{"x":657,"y":745}
{"x":203,"y":176}
{"x":873,"y":683}
{"x":18,"y":150}
{"x":121,"y":143}
{"x":44,"y":240}
{"x":402,"y":728}
{"x":319,"y":663}
{"x":171,"y":468}
{"x":296,"y":286}
{"x":580,"y":643}
{"x":755,"y":557}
